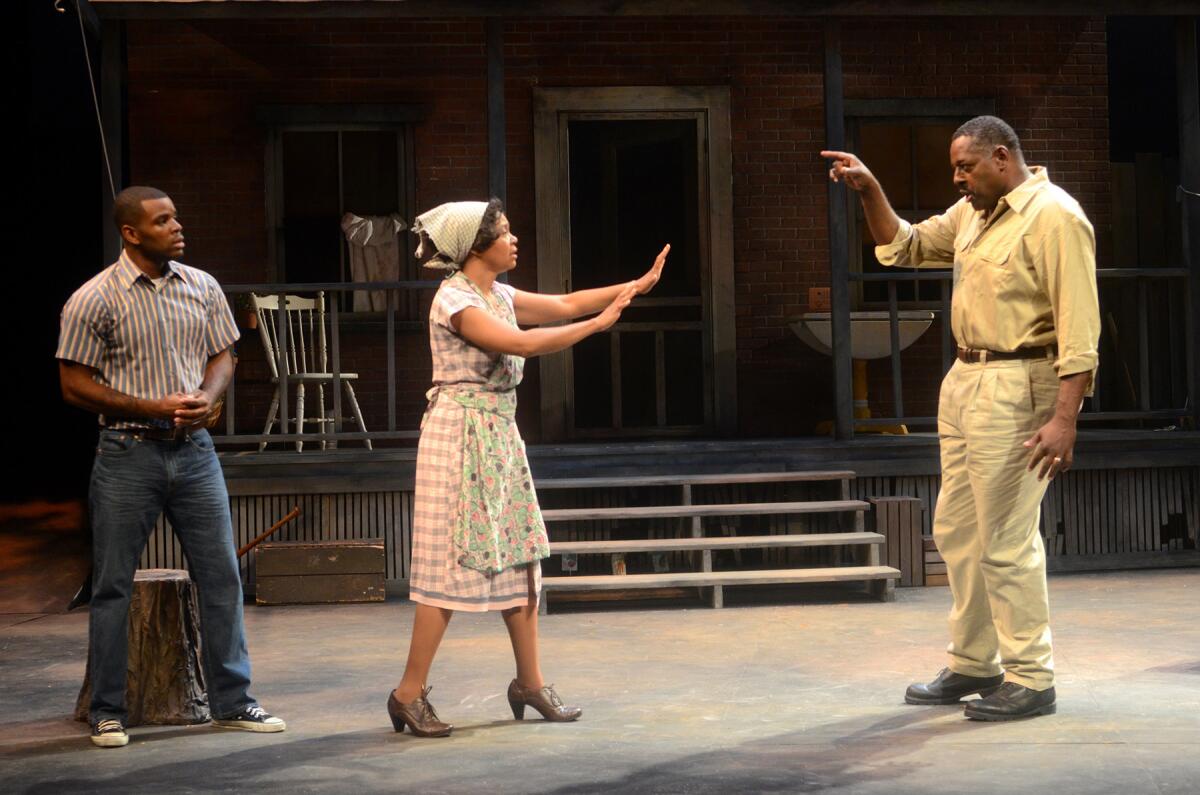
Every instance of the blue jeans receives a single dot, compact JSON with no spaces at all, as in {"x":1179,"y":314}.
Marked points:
{"x":133,"y":481}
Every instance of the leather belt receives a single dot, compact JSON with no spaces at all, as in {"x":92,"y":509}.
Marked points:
{"x":974,"y":355}
{"x":155,"y":434}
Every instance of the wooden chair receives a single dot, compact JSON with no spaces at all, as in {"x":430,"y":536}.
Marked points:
{"x":305,"y":361}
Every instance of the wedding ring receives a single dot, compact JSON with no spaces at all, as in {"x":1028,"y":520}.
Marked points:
{"x":1057,"y":460}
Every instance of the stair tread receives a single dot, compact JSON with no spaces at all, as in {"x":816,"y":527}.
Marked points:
{"x":714,"y":542}
{"x":716,"y":509}
{"x":695,"y":480}
{"x":693,"y":578}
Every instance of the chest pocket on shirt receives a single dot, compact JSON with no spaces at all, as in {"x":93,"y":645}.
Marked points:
{"x":994,"y":272}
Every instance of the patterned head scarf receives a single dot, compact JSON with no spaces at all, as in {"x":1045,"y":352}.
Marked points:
{"x":450,"y":229}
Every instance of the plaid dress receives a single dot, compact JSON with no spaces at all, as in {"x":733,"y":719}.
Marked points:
{"x":436,"y":577}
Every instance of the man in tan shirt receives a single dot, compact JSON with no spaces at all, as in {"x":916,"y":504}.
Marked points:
{"x":1026,"y":320}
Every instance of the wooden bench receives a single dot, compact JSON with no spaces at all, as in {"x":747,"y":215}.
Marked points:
{"x":880,"y":579}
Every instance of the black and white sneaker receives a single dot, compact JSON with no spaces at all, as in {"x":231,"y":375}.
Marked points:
{"x":252,"y":719}
{"x":109,"y":733}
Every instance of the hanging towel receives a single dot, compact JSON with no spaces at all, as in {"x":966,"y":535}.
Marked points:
{"x":374,"y":255}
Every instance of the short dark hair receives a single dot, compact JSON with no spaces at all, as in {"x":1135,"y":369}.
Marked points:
{"x":127,"y":206}
{"x":488,"y":232}
{"x":990,"y":132}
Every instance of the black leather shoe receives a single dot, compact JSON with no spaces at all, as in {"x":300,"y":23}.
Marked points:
{"x":1012,"y":702}
{"x":949,"y":688}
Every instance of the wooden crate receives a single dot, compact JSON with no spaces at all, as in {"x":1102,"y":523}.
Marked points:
{"x":320,"y":572}
{"x":898,"y":519}
{"x":935,"y":567}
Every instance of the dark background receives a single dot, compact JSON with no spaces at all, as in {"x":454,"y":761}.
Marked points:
{"x":54,"y":224}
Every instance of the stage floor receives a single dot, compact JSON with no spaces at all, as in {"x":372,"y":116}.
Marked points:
{"x":802,"y":696}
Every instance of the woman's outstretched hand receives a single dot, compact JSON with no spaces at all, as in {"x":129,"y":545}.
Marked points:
{"x":647,"y":282}
{"x":613,"y":311}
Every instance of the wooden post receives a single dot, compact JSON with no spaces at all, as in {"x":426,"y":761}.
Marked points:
{"x":112,"y":120}
{"x":1189,"y":176}
{"x":497,"y":161}
{"x":839,"y":243}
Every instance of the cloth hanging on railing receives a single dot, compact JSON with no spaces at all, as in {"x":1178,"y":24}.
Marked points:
{"x":374,"y":255}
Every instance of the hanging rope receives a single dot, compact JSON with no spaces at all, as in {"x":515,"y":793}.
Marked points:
{"x":87,"y":59}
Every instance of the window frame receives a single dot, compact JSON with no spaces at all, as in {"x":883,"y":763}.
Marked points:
{"x":898,"y":111}
{"x":339,"y":119}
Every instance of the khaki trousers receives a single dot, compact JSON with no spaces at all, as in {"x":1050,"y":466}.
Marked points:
{"x":986,"y":521}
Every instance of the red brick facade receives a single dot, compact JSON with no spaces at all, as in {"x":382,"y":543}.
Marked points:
{"x":193,"y":89}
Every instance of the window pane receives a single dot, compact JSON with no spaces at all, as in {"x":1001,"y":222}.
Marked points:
{"x":638,"y":387}
{"x":684,"y":363}
{"x":887,"y":151}
{"x":593,"y":382}
{"x":311,"y":235}
{"x":935,"y":185}
{"x":369,"y":172}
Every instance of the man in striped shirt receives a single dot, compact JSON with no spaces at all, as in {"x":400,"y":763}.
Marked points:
{"x":146,"y":345}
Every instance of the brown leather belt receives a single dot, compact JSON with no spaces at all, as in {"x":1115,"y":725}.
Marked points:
{"x":973,"y":355}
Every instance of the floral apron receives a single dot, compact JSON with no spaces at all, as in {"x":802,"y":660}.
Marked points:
{"x":498,"y":523}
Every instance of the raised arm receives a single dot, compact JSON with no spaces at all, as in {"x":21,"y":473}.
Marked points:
{"x":927,"y":244}
{"x":882,"y":220}
{"x":536,"y":308}
{"x":491,"y":334}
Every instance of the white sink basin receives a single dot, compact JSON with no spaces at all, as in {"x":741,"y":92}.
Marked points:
{"x":870,"y":333}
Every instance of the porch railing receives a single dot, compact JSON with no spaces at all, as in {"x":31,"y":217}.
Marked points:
{"x":1141,"y":279}
{"x":395,"y":292}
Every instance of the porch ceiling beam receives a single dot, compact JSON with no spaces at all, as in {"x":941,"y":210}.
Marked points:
{"x":254,"y":9}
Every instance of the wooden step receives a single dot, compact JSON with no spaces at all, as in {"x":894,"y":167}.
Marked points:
{"x":725,"y":509}
{"x":703,"y":578}
{"x":714,"y":542}
{"x":635,"y":481}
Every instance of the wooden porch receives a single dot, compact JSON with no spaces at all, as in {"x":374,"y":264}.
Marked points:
{"x":1132,"y":500}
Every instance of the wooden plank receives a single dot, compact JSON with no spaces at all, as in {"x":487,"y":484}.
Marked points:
{"x":1187,"y":82}
{"x":1126,"y":560}
{"x":676,"y":511}
{"x":114,"y":115}
{"x":837,"y":207}
{"x":916,"y":544}
{"x":700,"y":578}
{"x":714,"y":543}
{"x":1156,"y":514}
{"x":456,"y":9}
{"x":497,"y":149}
{"x":636,"y":481}
{"x":320,"y":589}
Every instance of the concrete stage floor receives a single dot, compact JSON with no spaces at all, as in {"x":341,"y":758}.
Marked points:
{"x":799,"y":694}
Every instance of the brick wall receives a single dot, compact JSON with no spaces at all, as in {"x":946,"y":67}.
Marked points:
{"x":193,"y":89}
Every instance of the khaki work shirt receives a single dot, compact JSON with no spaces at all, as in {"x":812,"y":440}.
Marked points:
{"x":1024,"y":277}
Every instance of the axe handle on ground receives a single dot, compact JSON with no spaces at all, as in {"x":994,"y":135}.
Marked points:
{"x":272,"y":529}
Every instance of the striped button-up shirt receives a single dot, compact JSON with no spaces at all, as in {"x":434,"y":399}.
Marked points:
{"x":146,"y":340}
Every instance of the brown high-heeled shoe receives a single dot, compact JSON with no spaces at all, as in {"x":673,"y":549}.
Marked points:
{"x":418,"y":715}
{"x":545,"y":700}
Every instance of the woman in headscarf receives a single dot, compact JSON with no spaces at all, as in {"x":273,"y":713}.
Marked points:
{"x":478,"y":535}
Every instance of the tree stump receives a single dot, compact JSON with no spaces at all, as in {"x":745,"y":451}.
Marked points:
{"x":165,"y":682}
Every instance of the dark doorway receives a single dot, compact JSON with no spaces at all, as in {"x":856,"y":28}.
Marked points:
{"x":634,"y":186}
